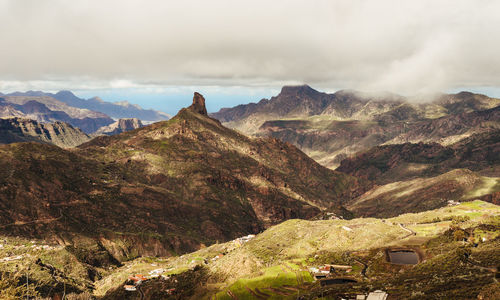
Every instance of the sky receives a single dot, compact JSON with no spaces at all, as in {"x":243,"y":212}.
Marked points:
{"x":157,"y":52}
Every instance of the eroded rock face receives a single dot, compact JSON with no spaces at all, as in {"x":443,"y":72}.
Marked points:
{"x":15,"y":130}
{"x":122,"y":125}
{"x":198,"y":105}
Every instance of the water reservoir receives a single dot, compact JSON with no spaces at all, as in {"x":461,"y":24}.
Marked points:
{"x":403,"y":257}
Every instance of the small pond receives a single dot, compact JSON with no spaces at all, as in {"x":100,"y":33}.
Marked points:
{"x":336,"y":281}
{"x":403,"y":257}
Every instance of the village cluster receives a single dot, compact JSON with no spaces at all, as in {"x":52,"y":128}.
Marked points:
{"x":332,"y":274}
{"x":327,"y":274}
{"x":329,"y":270}
{"x":236,"y":243}
{"x":137,"y":279}
{"x":24,"y":248}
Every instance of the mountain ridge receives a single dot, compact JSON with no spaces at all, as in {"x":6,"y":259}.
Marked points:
{"x":48,"y":109}
{"x":118,"y":110}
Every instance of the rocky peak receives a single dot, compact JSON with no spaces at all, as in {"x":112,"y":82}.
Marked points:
{"x":198,"y":105}
{"x":65,"y":93}
{"x":130,"y":123}
{"x":33,"y":106}
{"x":298,"y":90}
{"x":97,"y":99}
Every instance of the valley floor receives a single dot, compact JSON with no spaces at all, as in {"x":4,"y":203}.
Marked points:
{"x":458,"y":250}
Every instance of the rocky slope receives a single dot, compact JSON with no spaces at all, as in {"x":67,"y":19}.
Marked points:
{"x":418,"y":177}
{"x":14,"y":130}
{"x":48,"y":109}
{"x":168,"y":187}
{"x":390,"y":163}
{"x":422,"y":194}
{"x":122,"y":125}
{"x":331,"y":127}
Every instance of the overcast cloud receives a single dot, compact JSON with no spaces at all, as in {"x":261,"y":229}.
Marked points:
{"x":400,"y":46}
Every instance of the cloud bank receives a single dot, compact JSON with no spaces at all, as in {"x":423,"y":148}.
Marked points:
{"x":401,"y":46}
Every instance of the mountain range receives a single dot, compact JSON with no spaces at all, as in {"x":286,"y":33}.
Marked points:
{"x":331,"y":127}
{"x":116,"y":110}
{"x":47,"y":109}
{"x":88,"y":115}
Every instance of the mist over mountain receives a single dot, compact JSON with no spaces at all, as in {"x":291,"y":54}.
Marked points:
{"x":178,"y":186}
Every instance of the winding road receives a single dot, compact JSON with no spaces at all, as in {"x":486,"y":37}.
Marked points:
{"x":46,"y":220}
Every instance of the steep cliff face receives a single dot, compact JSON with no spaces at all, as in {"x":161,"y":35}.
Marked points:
{"x":170,"y":186}
{"x":13,"y":130}
{"x":122,"y":125}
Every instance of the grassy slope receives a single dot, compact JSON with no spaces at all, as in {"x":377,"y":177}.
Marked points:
{"x":423,"y":194}
{"x":275,"y":262}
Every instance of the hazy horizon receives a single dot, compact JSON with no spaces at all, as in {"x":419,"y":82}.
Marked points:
{"x":171,"y":100}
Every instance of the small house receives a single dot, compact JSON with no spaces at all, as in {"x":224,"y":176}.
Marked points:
{"x":340,"y":268}
{"x":318,"y":276}
{"x":129,"y":288}
{"x":377,"y":295}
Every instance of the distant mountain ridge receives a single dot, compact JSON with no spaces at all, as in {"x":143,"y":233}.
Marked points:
{"x":303,"y":101}
{"x":89,"y":115}
{"x":331,"y":127}
{"x":117,"y":110}
{"x":47,"y":109}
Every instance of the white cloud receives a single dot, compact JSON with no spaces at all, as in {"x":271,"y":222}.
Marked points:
{"x":401,"y":46}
